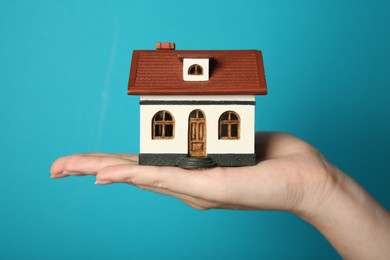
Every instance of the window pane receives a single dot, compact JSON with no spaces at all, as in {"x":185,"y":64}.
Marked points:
{"x":233,"y":116}
{"x":224,"y":130}
{"x":193,"y":114}
{"x":234,"y":130}
{"x":195,"y":70}
{"x":158,"y":130}
{"x":158,"y":116}
{"x":168,"y":130}
{"x":168,"y":116}
{"x":225,"y":116}
{"x":198,"y":70}
{"x":200,"y":114}
{"x":191,"y":70}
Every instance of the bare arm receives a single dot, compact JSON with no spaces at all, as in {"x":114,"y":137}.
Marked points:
{"x":291,"y":175}
{"x":353,"y":222}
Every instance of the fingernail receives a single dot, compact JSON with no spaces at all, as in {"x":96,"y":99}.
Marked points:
{"x":103,"y":182}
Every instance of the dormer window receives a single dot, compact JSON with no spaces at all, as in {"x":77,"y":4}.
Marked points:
{"x":195,"y":69}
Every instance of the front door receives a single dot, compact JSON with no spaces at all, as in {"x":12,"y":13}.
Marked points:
{"x":197,"y":133}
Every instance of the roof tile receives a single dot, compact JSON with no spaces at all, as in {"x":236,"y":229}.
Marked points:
{"x":231,"y":72}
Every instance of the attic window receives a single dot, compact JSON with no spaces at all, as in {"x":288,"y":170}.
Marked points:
{"x":195,"y":69}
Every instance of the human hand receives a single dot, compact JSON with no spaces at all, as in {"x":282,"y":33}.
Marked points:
{"x":290,"y":175}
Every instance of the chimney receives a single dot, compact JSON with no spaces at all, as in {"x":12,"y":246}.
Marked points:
{"x":165,"y":46}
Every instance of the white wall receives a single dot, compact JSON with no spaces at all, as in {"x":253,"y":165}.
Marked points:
{"x":212,"y":113}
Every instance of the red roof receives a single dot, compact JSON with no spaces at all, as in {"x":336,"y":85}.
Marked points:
{"x":160,"y":72}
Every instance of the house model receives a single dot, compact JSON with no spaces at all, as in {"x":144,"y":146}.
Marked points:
{"x":197,"y":107}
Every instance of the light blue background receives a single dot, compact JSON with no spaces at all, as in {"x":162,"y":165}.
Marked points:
{"x":63,"y":74}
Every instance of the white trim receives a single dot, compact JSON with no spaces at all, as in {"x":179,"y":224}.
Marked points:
{"x":201,"y":98}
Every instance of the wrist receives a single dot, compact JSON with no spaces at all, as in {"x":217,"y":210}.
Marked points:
{"x":321,"y":190}
{"x":353,"y":222}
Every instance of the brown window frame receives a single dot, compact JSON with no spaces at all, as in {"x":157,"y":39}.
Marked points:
{"x":163,"y":122}
{"x":229,"y":123}
{"x":198,"y":70}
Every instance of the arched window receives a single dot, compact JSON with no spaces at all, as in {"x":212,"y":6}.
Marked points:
{"x":195,"y":70}
{"x":163,"y":125}
{"x":229,"y":125}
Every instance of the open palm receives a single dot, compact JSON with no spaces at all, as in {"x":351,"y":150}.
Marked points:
{"x":289,"y":175}
{"x":288,"y":172}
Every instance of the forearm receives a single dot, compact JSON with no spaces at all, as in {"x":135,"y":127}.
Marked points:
{"x":353,"y":222}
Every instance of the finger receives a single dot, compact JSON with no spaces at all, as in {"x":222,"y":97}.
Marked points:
{"x":81,"y":164}
{"x":130,"y":157}
{"x":195,"y":183}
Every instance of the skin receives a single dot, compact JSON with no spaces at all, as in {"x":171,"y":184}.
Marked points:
{"x":290,"y":175}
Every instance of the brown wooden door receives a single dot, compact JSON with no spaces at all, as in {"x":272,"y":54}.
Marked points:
{"x":197,"y":134}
